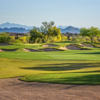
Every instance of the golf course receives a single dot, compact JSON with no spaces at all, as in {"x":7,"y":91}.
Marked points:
{"x":46,"y":64}
{"x":33,"y":64}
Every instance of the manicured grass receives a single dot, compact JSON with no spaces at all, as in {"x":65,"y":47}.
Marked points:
{"x":69,"y":55}
{"x":68,"y":72}
{"x":19,"y":46}
{"x":68,"y":67}
{"x":66,"y":78}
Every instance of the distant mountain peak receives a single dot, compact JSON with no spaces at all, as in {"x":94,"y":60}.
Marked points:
{"x":62,"y":27}
{"x":70,"y":29}
{"x":10,"y":25}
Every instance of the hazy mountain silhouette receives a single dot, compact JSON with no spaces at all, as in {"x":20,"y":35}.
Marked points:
{"x":62,"y":27}
{"x":11,"y":25}
{"x":14,"y":30}
{"x":70,"y":29}
{"x":17,"y":28}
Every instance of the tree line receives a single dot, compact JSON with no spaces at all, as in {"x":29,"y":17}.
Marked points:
{"x":48,"y":32}
{"x":44,"y":33}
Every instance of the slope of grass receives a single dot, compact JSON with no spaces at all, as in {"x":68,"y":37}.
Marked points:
{"x":69,"y":72}
{"x":66,"y":78}
{"x":68,"y":67}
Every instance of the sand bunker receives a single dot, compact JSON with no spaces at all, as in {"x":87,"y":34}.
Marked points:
{"x":49,"y":45}
{"x":1,"y":50}
{"x":4,"y":44}
{"x":50,"y":49}
{"x":9,"y":49}
{"x":70,"y":47}
{"x":91,"y":46}
{"x":30,"y":50}
{"x":63,"y":48}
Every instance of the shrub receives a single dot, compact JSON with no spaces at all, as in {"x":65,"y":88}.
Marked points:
{"x":23,"y":39}
{"x":4,"y":37}
{"x":98,"y":38}
{"x":17,"y":41}
{"x":95,"y":40}
{"x":12,"y":39}
{"x":88,"y":39}
{"x":63,"y":38}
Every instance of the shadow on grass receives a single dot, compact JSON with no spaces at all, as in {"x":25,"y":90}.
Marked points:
{"x":65,"y":42}
{"x":63,"y":66}
{"x":90,"y":53}
{"x":65,"y":78}
{"x":93,"y":79}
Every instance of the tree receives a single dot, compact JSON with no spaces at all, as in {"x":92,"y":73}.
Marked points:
{"x":54,"y":32}
{"x":49,"y":30}
{"x":46,"y":31}
{"x":4,"y":37}
{"x":45,"y":27}
{"x":91,"y":32}
{"x":35,"y":35}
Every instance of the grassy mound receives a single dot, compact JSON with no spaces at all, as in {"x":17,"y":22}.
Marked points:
{"x":66,"y":78}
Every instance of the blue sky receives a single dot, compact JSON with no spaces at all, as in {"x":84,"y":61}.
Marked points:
{"x":78,"y":13}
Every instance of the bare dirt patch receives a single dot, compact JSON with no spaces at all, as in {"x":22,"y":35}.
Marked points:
{"x":50,"y":49}
{"x":49,"y":45}
{"x":87,"y":45}
{"x":4,"y":44}
{"x":13,"y":89}
{"x":30,"y":50}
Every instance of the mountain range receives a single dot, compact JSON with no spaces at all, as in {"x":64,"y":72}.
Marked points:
{"x":70,"y":29}
{"x":17,"y":28}
{"x":11,"y":25}
{"x":14,"y":30}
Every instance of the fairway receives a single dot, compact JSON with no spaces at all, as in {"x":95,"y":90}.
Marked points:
{"x":69,"y":55}
{"x":67,"y":66}
{"x":85,"y":72}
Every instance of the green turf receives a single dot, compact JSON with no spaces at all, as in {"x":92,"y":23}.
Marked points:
{"x":66,"y":78}
{"x":69,"y":55}
{"x":68,"y":72}
{"x":68,"y":67}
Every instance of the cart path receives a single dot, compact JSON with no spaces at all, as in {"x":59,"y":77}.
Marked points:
{"x":14,"y":89}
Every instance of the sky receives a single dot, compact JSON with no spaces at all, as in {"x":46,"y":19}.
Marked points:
{"x":77,"y":13}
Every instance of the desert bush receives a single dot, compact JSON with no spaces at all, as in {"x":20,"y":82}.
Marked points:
{"x":4,"y":37}
{"x":98,"y":38}
{"x":44,"y":38}
{"x":78,"y":39}
{"x":12,"y":39}
{"x":87,"y":39}
{"x":28,"y":39}
{"x":23,"y":39}
{"x":95,"y":40}
{"x":63,"y":38}
{"x":17,"y":41}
